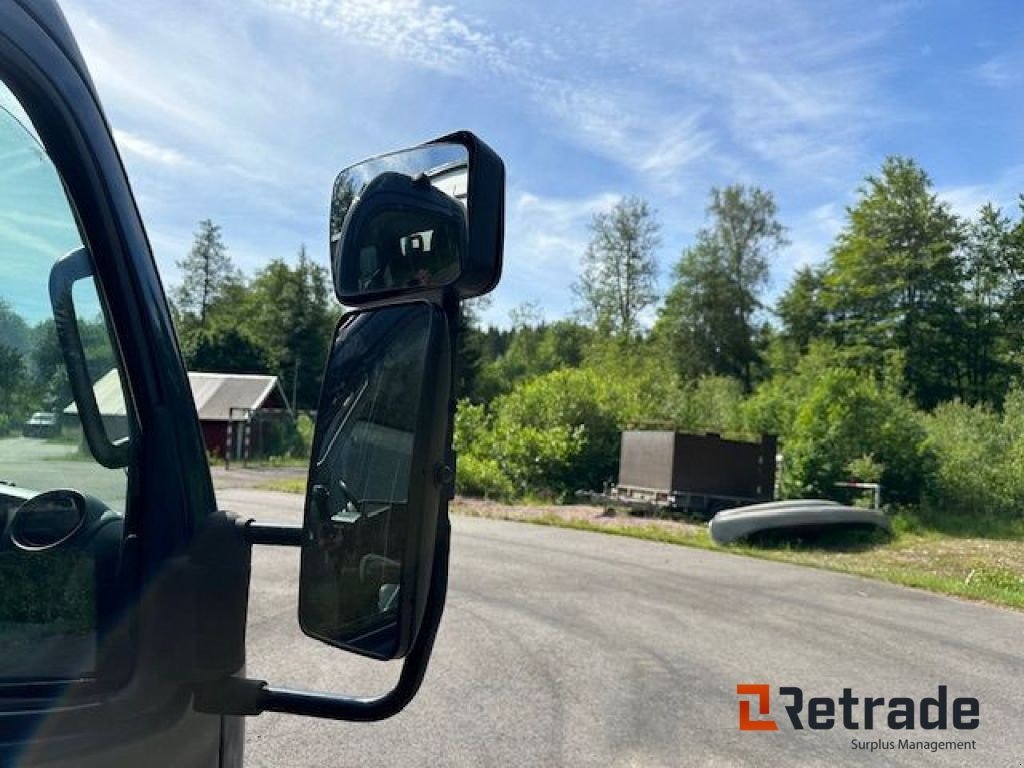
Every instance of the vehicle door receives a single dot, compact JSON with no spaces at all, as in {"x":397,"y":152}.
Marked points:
{"x":96,"y":508}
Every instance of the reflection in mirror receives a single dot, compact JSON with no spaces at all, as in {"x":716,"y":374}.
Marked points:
{"x":400,"y":221}
{"x":362,"y":507}
{"x":48,"y":609}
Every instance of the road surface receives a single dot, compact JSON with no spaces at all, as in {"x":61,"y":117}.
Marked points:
{"x":563,"y":647}
{"x":41,"y":465}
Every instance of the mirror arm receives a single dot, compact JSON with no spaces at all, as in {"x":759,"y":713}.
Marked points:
{"x":272,"y":534}
{"x":242,"y":696}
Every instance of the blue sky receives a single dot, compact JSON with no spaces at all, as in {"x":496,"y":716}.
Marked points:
{"x":244,"y":111}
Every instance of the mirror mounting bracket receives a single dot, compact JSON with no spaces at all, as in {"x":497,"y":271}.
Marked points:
{"x":271,"y":534}
{"x":245,"y":696}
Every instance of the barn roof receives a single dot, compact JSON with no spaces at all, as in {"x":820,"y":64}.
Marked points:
{"x":215,"y":394}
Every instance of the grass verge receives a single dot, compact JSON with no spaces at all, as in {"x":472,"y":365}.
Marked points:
{"x":286,"y":485}
{"x":988,"y":570}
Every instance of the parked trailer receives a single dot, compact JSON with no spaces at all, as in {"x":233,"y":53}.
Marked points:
{"x":690,"y":474}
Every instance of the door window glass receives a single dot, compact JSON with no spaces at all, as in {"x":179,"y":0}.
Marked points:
{"x":49,"y":606}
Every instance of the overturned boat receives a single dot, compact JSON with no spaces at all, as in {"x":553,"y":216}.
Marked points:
{"x":796,"y":517}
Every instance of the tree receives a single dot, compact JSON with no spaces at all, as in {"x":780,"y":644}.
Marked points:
{"x":12,"y":384}
{"x":709,"y":320}
{"x":14,"y":331}
{"x":844,"y":418}
{"x":225,"y":349}
{"x":207,"y":274}
{"x":618,"y":278}
{"x":291,"y":317}
{"x":802,"y":308}
{"x":988,"y":261}
{"x":470,"y":349}
{"x":893,"y":279}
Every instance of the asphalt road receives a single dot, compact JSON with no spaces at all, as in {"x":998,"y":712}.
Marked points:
{"x":41,"y":465}
{"x":572,"y":648}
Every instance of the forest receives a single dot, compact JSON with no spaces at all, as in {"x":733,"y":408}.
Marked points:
{"x":895,"y":358}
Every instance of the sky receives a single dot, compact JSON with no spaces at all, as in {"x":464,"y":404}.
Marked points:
{"x":244,"y":111}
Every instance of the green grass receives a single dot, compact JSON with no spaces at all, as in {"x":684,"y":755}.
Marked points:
{"x":288,"y":485}
{"x":982,"y":569}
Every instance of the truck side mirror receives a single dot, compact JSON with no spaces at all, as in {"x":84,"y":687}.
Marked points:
{"x":412,"y":233}
{"x":375,"y":482}
{"x":419,"y":222}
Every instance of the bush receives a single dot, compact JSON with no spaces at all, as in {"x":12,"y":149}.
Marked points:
{"x":553,"y":434}
{"x":710,"y":403}
{"x":304,"y":426}
{"x":847,"y":416}
{"x":560,"y":432}
{"x":484,"y":477}
{"x":971,"y":451}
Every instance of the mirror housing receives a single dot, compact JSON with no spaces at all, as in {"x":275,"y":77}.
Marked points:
{"x":376,"y":480}
{"x":454,"y":187}
{"x":75,"y":266}
{"x":47,"y":520}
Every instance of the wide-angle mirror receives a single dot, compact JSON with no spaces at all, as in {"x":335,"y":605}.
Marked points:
{"x":375,"y":480}
{"x":421,"y":220}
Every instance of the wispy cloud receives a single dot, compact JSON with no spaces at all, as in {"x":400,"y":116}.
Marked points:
{"x":1003,"y":192}
{"x":544,"y":237}
{"x":148,"y":150}
{"x":430,"y":35}
{"x":1001,"y":71}
{"x":243,"y":111}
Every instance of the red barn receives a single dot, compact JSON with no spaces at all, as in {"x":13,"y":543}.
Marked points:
{"x":232,"y":398}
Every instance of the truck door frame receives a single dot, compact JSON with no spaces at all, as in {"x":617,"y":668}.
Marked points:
{"x":170,"y":490}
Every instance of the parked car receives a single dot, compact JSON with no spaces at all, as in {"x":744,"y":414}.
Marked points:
{"x":41,"y":424}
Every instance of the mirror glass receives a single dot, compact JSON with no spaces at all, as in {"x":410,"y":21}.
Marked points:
{"x":47,"y":520}
{"x":48,"y":603}
{"x":361,"y":507}
{"x":399,"y":222}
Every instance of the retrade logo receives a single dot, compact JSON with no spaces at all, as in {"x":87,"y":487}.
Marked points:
{"x":854,"y":713}
{"x":763,"y":692}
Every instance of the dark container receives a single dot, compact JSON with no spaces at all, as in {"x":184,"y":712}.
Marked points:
{"x":680,"y":463}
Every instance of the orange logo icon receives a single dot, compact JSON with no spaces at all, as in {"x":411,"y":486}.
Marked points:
{"x":763,"y":693}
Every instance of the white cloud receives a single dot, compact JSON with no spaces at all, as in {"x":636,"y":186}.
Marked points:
{"x":1001,"y":71}
{"x":544,"y":239}
{"x":432,"y":36}
{"x":1003,"y":192}
{"x":148,"y":150}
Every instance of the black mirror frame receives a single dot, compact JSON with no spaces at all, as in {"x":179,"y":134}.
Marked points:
{"x":64,"y":274}
{"x":485,"y":198}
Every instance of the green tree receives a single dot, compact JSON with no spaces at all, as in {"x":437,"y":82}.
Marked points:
{"x":291,"y":316}
{"x":988,"y":262}
{"x":844,"y":418}
{"x":14,"y":331}
{"x":12,"y":385}
{"x":709,"y":319}
{"x":893,"y":279}
{"x":619,"y":269}
{"x":802,"y":309}
{"x":471,"y":345}
{"x":226,"y":349}
{"x":208,"y":274}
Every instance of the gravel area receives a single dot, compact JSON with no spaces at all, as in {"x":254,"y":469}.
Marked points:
{"x":252,"y":477}
{"x":587,"y":513}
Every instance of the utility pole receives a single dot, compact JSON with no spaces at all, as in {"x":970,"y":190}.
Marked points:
{"x":295,"y":387}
